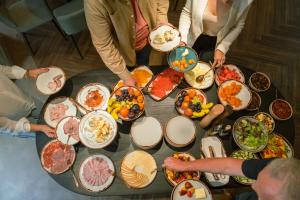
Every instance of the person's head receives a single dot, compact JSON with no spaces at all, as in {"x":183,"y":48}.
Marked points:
{"x":279,"y":180}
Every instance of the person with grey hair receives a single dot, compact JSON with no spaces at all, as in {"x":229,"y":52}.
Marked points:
{"x":276,"y":179}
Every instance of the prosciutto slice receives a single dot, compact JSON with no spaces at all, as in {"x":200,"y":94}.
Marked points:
{"x":55,"y":83}
{"x":58,"y":111}
{"x":96,"y":171}
{"x":71,"y":127}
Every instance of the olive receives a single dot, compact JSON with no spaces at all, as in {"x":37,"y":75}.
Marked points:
{"x":135,"y":108}
{"x":131,"y":115}
{"x":181,"y":98}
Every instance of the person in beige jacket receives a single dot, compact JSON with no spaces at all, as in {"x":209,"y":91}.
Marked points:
{"x":119,"y":31}
{"x":210,"y":26}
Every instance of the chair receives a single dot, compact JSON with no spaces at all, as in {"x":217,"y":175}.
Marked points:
{"x":25,"y":15}
{"x":71,"y":19}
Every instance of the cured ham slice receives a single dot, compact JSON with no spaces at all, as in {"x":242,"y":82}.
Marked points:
{"x":71,"y":128}
{"x":96,"y":171}
{"x":58,"y":111}
{"x":55,"y":83}
{"x":57,"y":157}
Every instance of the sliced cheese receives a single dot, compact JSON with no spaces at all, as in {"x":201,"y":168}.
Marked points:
{"x":200,"y":193}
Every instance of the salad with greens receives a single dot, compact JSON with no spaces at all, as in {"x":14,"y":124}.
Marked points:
{"x":250,"y":134}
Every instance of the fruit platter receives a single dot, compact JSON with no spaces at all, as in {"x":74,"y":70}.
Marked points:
{"x":192,"y":103}
{"x":126,"y":103}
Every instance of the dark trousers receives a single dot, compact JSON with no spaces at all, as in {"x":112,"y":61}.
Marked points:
{"x":205,"y":47}
{"x":142,"y":56}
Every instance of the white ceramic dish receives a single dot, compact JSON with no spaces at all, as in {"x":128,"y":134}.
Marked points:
{"x":88,"y":138}
{"x":146,"y":132}
{"x":244,"y":95}
{"x":84,"y":91}
{"x":219,"y":152}
{"x":230,"y":67}
{"x":196,"y":184}
{"x":60,"y":133}
{"x":180,"y":131}
{"x":200,"y":69}
{"x":98,"y":188}
{"x":167,"y":46}
{"x":44,"y":79}
{"x":71,"y":111}
{"x":136,"y":164}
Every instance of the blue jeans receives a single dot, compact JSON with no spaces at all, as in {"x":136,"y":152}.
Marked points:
{"x":142,"y":56}
{"x":20,"y":134}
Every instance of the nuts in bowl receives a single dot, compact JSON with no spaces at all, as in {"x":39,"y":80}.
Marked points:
{"x":259,"y":82}
{"x":126,"y":103}
{"x":267,"y":120}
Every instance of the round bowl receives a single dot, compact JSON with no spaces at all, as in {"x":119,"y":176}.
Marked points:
{"x":254,"y":95}
{"x":277,"y":117}
{"x":262,"y":116}
{"x":238,"y":134}
{"x":180,"y":62}
{"x":229,"y":68}
{"x":252,"y":84}
{"x":115,"y":105}
{"x":200,"y":69}
{"x":180,"y":110}
{"x":244,"y":95}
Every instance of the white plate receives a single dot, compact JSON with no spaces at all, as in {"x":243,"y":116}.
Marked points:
{"x":61,"y":146}
{"x":167,"y":46}
{"x":244,"y":95}
{"x":200,"y":69}
{"x":44,"y":79}
{"x":180,"y":131}
{"x":60,"y":133}
{"x":218,"y":147}
{"x":83,"y":92}
{"x":196,"y":184}
{"x":141,"y":162}
{"x":99,"y":188}
{"x":231,"y":67}
{"x":71,"y":111}
{"x":146,"y":132}
{"x":88,"y":138}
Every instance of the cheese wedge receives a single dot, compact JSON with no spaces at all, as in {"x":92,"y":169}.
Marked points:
{"x":200,"y":193}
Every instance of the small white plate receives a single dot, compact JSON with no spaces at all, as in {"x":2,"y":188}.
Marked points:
{"x":231,"y":67}
{"x":196,"y":184}
{"x":167,"y":46}
{"x":99,"y":188}
{"x":244,"y":95}
{"x":146,"y":132}
{"x":89,"y":138}
{"x":60,"y":133}
{"x":44,"y":79}
{"x":200,"y":69}
{"x":219,"y":151}
{"x":71,"y":111}
{"x":84,"y":91}
{"x":180,"y":131}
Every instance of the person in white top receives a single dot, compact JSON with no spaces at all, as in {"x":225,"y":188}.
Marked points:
{"x":15,"y":106}
{"x":210,"y":26}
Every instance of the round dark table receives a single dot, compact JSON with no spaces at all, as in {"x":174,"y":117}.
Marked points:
{"x":163,"y":111}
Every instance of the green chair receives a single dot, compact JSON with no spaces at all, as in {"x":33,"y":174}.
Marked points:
{"x":25,"y":15}
{"x":71,"y":19}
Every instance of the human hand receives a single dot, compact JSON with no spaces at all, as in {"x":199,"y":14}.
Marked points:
{"x":50,"y":132}
{"x":182,"y":43}
{"x":34,"y":73}
{"x":219,"y":58}
{"x":127,"y":78}
{"x":175,"y":164}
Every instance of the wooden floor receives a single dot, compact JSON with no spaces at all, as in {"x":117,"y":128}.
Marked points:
{"x":270,"y":42}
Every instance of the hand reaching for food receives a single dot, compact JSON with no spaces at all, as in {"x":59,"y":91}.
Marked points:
{"x":219,"y":58}
{"x":175,"y":164}
{"x":34,"y":73}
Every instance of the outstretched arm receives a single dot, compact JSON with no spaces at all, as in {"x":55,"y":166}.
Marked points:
{"x":228,"y":166}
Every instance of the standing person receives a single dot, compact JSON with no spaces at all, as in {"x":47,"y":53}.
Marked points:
{"x":120,"y":29}
{"x":276,"y":179}
{"x":16,"y":106}
{"x":210,"y":26}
